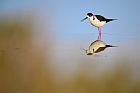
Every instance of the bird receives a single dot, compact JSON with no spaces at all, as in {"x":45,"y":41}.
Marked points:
{"x":96,"y":47}
{"x":98,"y":21}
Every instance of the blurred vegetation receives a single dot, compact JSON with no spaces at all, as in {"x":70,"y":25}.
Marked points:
{"x":24,"y":67}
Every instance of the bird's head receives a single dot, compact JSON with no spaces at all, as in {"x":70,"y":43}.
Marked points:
{"x":89,"y":15}
{"x":88,"y":52}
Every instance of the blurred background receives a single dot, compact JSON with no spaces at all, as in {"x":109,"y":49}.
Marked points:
{"x":41,"y":45}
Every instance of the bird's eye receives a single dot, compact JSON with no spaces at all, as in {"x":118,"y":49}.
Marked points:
{"x":89,"y":14}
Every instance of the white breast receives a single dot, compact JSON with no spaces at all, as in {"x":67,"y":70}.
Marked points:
{"x":96,"y":22}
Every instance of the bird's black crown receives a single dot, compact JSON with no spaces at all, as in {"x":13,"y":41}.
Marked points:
{"x":89,"y":14}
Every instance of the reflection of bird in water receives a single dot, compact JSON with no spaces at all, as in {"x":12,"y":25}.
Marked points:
{"x":97,"y":46}
{"x":97,"y":21}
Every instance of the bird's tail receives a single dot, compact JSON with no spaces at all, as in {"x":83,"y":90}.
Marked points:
{"x":108,"y":20}
{"x":110,"y":46}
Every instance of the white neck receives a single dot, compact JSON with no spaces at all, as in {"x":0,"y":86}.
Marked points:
{"x":90,"y":18}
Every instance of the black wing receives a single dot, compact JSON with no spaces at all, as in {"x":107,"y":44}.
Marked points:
{"x":99,"y":49}
{"x":101,"y":18}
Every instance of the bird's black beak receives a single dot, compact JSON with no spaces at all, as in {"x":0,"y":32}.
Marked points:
{"x":110,"y":46}
{"x":84,"y":19}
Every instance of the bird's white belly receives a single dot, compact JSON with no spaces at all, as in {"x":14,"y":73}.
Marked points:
{"x":96,"y":45}
{"x":97,"y":23}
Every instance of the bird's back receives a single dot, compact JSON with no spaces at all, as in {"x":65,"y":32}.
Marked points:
{"x":96,"y":22}
{"x":101,"y":18}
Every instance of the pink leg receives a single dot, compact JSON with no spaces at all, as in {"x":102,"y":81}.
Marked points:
{"x":100,"y":33}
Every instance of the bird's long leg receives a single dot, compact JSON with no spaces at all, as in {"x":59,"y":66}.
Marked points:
{"x":99,"y":33}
